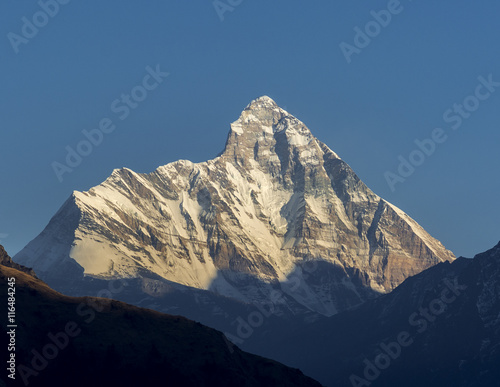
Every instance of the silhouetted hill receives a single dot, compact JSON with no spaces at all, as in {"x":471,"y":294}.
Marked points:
{"x":438,"y":328}
{"x":66,"y":341}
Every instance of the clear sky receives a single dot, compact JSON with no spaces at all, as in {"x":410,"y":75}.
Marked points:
{"x":64,"y":70}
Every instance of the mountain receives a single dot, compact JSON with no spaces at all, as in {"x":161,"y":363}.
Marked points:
{"x":438,"y":328}
{"x":65,"y":341}
{"x":277,"y":217}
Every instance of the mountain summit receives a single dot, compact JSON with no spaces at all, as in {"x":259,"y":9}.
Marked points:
{"x":277,"y":210}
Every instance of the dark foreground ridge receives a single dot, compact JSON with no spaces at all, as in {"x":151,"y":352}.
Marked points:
{"x":68,"y":341}
{"x":438,"y":328}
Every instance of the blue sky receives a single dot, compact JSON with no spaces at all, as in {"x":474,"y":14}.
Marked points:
{"x":395,"y":90}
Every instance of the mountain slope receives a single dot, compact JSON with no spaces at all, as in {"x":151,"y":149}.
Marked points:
{"x":448,"y":318}
{"x":272,"y":208}
{"x":102,"y":342}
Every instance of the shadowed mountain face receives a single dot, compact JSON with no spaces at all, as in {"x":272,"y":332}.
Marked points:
{"x":439,"y":328}
{"x":275,"y":205}
{"x":65,"y":341}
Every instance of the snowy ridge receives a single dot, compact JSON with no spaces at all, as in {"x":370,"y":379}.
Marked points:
{"x":243,"y":224}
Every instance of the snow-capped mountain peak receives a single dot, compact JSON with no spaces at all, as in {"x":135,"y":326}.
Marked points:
{"x":275,"y":203}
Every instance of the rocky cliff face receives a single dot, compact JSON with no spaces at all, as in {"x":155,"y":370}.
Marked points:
{"x":6,"y":260}
{"x":276,"y":210}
